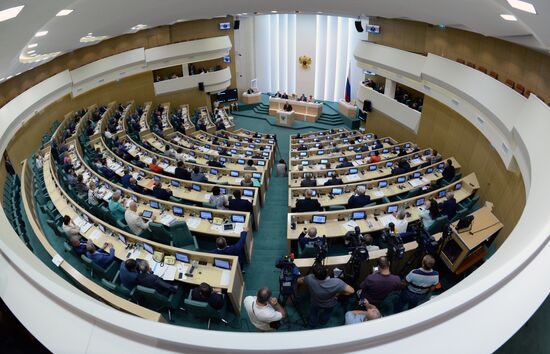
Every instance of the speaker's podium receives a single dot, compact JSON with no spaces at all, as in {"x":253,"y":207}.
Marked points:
{"x":284,"y":118}
{"x":464,"y":248}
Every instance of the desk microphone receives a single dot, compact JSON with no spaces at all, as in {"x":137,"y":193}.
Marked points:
{"x":485,"y":228}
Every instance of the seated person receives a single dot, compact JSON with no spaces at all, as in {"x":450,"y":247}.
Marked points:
{"x":100,"y":257}
{"x":115,"y":206}
{"x":429,"y":213}
{"x":169,"y":152}
{"x":153,"y":167}
{"x":287,"y":107}
{"x":205,"y":293}
{"x":449,"y":206}
{"x":375,"y":158}
{"x":78,"y":245}
{"x":149,"y":280}
{"x":197,"y":175}
{"x":214,"y":163}
{"x":80,"y":188}
{"x":234,"y":250}
{"x":358,"y":316}
{"x":377,"y":145}
{"x":135,"y":221}
{"x":69,"y":227}
{"x":399,"y":169}
{"x":308,"y":236}
{"x":238,"y":204}
{"x":345,"y":163}
{"x":302,"y":148}
{"x":217,"y":198}
{"x":179,"y":155}
{"x":359,"y":199}
{"x":181,"y":172}
{"x":94,"y":197}
{"x":308,"y":181}
{"x":284,"y":96}
{"x":136,"y":187}
{"x":250,"y":166}
{"x":307,"y":204}
{"x":125,"y":179}
{"x":247,"y":181}
{"x":105,"y":171}
{"x":128,"y":273}
{"x":334,"y":180}
{"x":161,"y":193}
{"x":449,"y":171}
{"x":302,"y":98}
{"x":434,"y":158}
{"x":401,"y":223}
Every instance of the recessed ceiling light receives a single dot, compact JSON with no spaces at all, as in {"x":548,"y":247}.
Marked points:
{"x":319,"y":12}
{"x":509,"y":17}
{"x":31,"y":51}
{"x":10,"y":13}
{"x":138,"y":27}
{"x":523,"y":6}
{"x":64,"y":12}
{"x":245,"y":13}
{"x":41,"y":33}
{"x":34,"y":45}
{"x":273,"y":11}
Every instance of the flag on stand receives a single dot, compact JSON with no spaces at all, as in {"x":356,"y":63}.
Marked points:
{"x":348,"y":86}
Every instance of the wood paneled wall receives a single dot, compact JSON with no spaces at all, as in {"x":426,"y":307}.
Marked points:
{"x":154,"y":37}
{"x":525,"y":66}
{"x":446,"y":131}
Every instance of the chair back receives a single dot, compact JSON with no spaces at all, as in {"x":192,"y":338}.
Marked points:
{"x":201,"y":309}
{"x":181,"y":236}
{"x":150,"y":298}
{"x":438,"y":224}
{"x":159,"y":233}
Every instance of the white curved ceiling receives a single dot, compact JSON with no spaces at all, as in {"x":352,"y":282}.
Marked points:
{"x":115,"y":17}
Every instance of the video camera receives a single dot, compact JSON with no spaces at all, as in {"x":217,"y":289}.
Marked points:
{"x":396,"y":250}
{"x":321,"y":249}
{"x":357,"y":245}
{"x":287,"y":277}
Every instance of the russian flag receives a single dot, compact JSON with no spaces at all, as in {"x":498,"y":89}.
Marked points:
{"x":348,"y":86}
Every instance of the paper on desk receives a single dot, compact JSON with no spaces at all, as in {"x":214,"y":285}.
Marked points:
{"x":238,"y":227}
{"x":135,"y":254}
{"x":167,"y":219}
{"x":386,"y":219}
{"x":84,"y":228}
{"x":378,"y":194}
{"x":57,"y":260}
{"x":354,"y":177}
{"x":159,"y":269}
{"x":96,"y":234}
{"x":107,"y":196}
{"x":321,"y":181}
{"x":193,"y":222}
{"x":78,"y":221}
{"x":415,"y":182}
{"x":225,"y":278}
{"x":171,"y":169}
{"x":416,"y":161}
{"x":170,"y":273}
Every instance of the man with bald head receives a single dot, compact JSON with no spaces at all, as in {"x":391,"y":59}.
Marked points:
{"x":358,"y":199}
{"x":308,"y":236}
{"x":307,"y":204}
{"x":359,"y":316}
{"x":135,"y":221}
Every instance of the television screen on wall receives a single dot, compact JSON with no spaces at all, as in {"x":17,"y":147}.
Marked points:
{"x":228,"y":95}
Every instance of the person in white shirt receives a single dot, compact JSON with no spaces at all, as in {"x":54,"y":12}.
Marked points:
{"x":263,"y":309}
{"x":135,"y":221}
{"x":93,"y":194}
{"x":108,"y":134}
{"x":69,"y":227}
{"x":401,"y":223}
{"x":39,"y":162}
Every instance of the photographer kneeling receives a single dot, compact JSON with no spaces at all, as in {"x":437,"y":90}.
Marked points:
{"x":323,"y":292}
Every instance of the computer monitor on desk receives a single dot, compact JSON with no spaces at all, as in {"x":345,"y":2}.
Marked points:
{"x":221,"y":263}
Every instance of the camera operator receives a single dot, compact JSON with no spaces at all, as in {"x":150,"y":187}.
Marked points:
{"x":323,"y":292}
{"x":358,"y":316}
{"x":308,"y":237}
{"x":380,"y":283}
{"x":420,"y":283}
{"x":264,"y":310}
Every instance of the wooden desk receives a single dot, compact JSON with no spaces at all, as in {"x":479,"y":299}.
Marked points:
{"x":208,"y":273}
{"x":310,"y":136}
{"x":347,"y":109}
{"x":463,"y":244}
{"x":307,"y":111}
{"x":252,"y":98}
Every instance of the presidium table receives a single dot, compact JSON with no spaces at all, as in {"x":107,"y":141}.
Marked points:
{"x":307,"y":111}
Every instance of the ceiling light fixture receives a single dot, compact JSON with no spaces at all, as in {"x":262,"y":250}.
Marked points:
{"x":31,"y":51}
{"x":64,"y":12}
{"x":245,"y":13}
{"x":41,"y":33}
{"x":523,"y":6}
{"x":509,"y":17}
{"x":138,"y":27}
{"x":34,"y":45}
{"x":91,"y":38}
{"x":273,"y":11}
{"x":10,"y":13}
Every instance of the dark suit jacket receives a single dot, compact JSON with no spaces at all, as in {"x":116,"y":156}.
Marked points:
{"x":240,"y":205}
{"x":182,"y":173}
{"x":215,"y":300}
{"x":310,"y":183}
{"x":235,"y":250}
{"x":305,"y":205}
{"x":448,"y":173}
{"x":334,"y":182}
{"x":448,"y":208}
{"x":149,"y":280}
{"x":358,"y":201}
{"x":161,"y":193}
{"x":345,"y":164}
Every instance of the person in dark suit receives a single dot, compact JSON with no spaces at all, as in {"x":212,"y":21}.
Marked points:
{"x":205,"y":293}
{"x":334,"y":180}
{"x":345,"y":163}
{"x":287,"y":107}
{"x":377,"y":145}
{"x":359,"y":199}
{"x":78,"y":245}
{"x":150,"y":280}
{"x":214,"y":163}
{"x":128,"y":273}
{"x":161,"y":193}
{"x":308,"y":181}
{"x":136,"y":187}
{"x":308,"y":236}
{"x":233,"y":250}
{"x":125,"y":179}
{"x":181,"y":172}
{"x":307,"y":204}
{"x":449,"y":206}
{"x":238,"y":204}
{"x":100,"y":257}
{"x":449,"y":171}
{"x":284,"y":96}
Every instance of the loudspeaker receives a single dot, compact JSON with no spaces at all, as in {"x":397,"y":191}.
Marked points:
{"x":201,"y":86}
{"x":367,"y":106}
{"x":358,"y":26}
{"x":236,"y":24}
